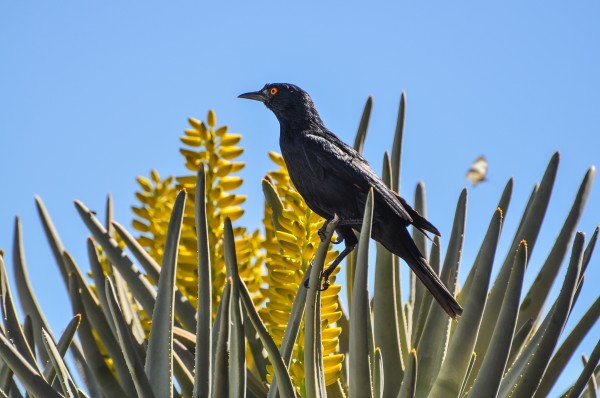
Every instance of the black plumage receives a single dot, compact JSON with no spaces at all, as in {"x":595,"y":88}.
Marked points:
{"x":333,"y":178}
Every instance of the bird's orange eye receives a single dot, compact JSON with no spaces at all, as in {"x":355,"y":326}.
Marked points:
{"x":273,"y":91}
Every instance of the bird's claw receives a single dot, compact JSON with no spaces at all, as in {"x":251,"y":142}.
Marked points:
{"x":323,"y":279}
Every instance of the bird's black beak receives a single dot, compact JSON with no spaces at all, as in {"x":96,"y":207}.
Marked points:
{"x":254,"y":95}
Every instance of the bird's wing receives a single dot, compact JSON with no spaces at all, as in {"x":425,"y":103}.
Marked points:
{"x":347,"y":164}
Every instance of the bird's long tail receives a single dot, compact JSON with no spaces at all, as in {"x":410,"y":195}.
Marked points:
{"x":405,"y":247}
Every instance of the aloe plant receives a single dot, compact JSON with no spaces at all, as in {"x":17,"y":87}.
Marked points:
{"x":140,"y":335}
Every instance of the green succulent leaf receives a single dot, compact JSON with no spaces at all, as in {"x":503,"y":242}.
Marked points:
{"x":139,"y":285}
{"x":397,"y":145}
{"x":586,"y":374}
{"x":27,"y":298}
{"x":221,"y":332}
{"x":291,"y":332}
{"x":313,"y":354}
{"x":417,"y":289}
{"x":159,"y":357}
{"x":361,"y":358}
{"x":433,"y":343}
{"x":102,"y":326}
{"x":361,"y":134}
{"x":64,"y":377}
{"x":534,"y":300}
{"x":409,"y":381}
{"x":451,"y":376}
{"x":29,"y":376}
{"x":237,"y":340}
{"x":528,"y":230}
{"x":523,"y":380}
{"x":285,"y":387}
{"x":494,"y":362}
{"x":567,"y":348}
{"x":203,"y":359}
{"x":134,"y":363}
{"x":12,"y":325}
{"x":184,"y":310}
{"x":103,"y":376}
{"x":62,"y":346}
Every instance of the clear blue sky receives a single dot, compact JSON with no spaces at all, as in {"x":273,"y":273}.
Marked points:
{"x":92,"y":96}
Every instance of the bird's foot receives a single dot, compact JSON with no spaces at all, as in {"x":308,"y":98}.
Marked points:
{"x":323,"y":279}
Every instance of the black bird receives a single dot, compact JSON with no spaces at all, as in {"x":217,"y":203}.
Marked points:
{"x":333,"y":178}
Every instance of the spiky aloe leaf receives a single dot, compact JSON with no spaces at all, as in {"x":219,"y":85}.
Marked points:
{"x":139,"y":285}
{"x":528,"y":230}
{"x":27,"y":298}
{"x":285,"y":387}
{"x":221,"y":332}
{"x":493,"y":364}
{"x":523,"y":380}
{"x":66,"y":381}
{"x":134,"y":363}
{"x":386,"y":322}
{"x":469,"y":370}
{"x":567,"y":348}
{"x":534,"y":300}
{"x":102,"y":374}
{"x":503,"y":204}
{"x":361,"y":134}
{"x":313,"y":354}
{"x":203,"y":368}
{"x":159,"y":357}
{"x":361,"y":358}
{"x":184,"y":310}
{"x":12,"y":325}
{"x":519,"y":340}
{"x":409,"y":381}
{"x":291,"y":332}
{"x":451,"y":376}
{"x":588,"y":371}
{"x":420,"y":240}
{"x":237,"y":364}
{"x":397,"y":145}
{"x":102,"y":326}
{"x":62,"y":346}
{"x":29,"y":376}
{"x":378,"y":374}
{"x":417,"y":329}
{"x":53,"y":239}
{"x":433,"y":343}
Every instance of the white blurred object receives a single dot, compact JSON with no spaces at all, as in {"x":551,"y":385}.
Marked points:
{"x":478,"y":171}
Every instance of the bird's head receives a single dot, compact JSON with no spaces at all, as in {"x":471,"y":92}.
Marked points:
{"x":287,"y":101}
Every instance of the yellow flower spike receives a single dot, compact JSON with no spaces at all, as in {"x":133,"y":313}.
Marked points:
{"x":202,"y":142}
{"x":211,"y":118}
{"x":296,"y":239}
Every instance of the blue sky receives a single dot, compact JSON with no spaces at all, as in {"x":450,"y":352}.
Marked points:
{"x":92,"y":96}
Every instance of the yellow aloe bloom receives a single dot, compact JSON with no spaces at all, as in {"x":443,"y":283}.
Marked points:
{"x":290,"y":247}
{"x":216,"y":148}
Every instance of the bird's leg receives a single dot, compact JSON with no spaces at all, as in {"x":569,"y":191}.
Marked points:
{"x":347,"y":235}
{"x":327,"y":273}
